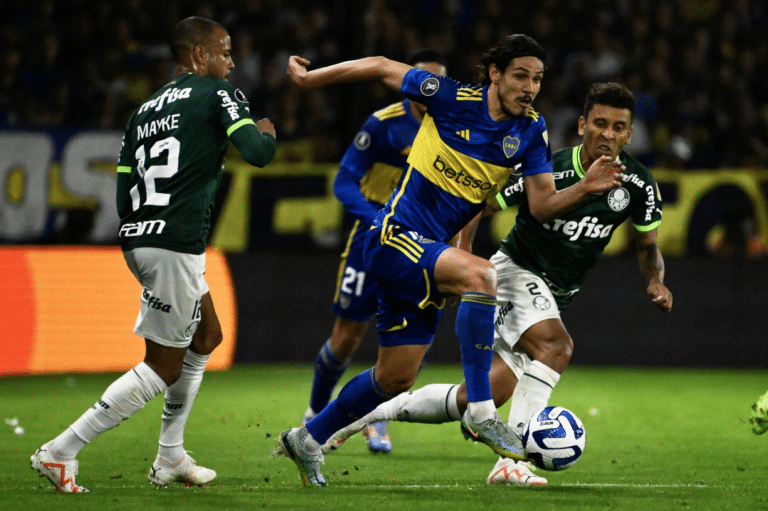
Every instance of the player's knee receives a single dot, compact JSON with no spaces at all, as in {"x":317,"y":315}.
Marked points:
{"x":482,"y":278}
{"x":207,"y":342}
{"x":395,"y":384}
{"x":557,"y":347}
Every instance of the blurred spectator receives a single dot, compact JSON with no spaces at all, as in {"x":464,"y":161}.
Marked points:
{"x":694,"y":65}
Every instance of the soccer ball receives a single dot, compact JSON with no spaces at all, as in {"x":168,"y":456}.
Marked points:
{"x":554,"y":438}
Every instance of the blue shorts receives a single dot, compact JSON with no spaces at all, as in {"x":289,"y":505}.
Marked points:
{"x":355,"y":297}
{"x":403,"y":265}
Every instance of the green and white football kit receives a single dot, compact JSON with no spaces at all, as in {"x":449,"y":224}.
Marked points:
{"x":540,"y":267}
{"x":169,"y":170}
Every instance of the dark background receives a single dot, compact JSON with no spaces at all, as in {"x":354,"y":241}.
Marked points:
{"x":718,"y":319}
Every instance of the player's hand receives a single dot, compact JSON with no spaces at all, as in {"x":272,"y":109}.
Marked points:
{"x":297,"y":70}
{"x":661,"y":296}
{"x":604,"y":174}
{"x":265,"y":126}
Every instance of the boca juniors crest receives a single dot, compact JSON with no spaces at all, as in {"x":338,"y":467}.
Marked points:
{"x":511,"y":145}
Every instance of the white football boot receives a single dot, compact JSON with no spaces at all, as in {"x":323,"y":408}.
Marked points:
{"x":519,"y":473}
{"x":60,"y":473}
{"x":163,"y":472}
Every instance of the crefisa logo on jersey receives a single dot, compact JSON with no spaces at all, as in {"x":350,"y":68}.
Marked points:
{"x":510,"y":144}
{"x":542,"y":303}
{"x":362,"y":141}
{"x":429,"y":86}
{"x":618,"y":198}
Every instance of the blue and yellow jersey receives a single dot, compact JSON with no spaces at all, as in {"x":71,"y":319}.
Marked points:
{"x":374,"y":161}
{"x":461,"y":157}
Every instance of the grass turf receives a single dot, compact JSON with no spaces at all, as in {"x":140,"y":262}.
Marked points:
{"x":656,"y":439}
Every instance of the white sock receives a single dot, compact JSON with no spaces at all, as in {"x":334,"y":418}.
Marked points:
{"x":481,"y":410}
{"x":431,"y":404}
{"x":531,"y":393}
{"x":127,"y":395}
{"x":179,"y":399}
{"x":308,"y":441}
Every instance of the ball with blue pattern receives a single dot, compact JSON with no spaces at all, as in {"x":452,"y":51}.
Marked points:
{"x":554,"y":438}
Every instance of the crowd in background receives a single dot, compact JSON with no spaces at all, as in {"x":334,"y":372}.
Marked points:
{"x":694,"y":65}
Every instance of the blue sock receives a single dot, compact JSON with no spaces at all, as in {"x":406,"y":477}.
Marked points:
{"x":328,"y":371}
{"x":358,"y":397}
{"x":474,"y":328}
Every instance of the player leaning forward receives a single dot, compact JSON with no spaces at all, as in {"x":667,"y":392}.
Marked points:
{"x":540,"y":269}
{"x":469,"y":141}
{"x":169,"y":170}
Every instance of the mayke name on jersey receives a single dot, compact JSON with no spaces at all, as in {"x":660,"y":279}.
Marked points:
{"x":169,"y":122}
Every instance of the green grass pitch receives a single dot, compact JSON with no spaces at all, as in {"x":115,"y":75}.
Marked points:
{"x":657,"y":439}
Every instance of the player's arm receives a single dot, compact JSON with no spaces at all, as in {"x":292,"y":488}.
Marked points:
{"x":255,"y":141}
{"x":346,"y":187}
{"x":466,"y":236}
{"x":547,"y":203}
{"x":389,"y":72}
{"x":651,"y":265}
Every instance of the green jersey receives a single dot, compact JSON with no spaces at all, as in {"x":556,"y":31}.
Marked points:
{"x":171,"y":162}
{"x":563,"y":250}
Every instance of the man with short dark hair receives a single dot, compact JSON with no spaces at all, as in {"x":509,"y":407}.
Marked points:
{"x":168,"y":172}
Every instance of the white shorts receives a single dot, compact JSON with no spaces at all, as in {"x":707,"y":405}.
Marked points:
{"x":173,"y":286}
{"x":523,"y":299}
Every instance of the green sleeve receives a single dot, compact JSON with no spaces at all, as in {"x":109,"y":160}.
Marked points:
{"x":256,"y":148}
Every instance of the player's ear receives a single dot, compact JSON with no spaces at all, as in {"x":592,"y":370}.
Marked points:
{"x":199,"y":55}
{"x":582,"y":126}
{"x":629,"y":136}
{"x":494,"y":73}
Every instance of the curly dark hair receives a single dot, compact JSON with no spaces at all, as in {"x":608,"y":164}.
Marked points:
{"x":511,"y":47}
{"x":611,"y":94}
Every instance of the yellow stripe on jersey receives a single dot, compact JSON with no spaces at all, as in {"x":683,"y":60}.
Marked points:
{"x":344,"y":257}
{"x":394,"y":110}
{"x":467,"y":94}
{"x":241,"y":122}
{"x":646,"y":228}
{"x":122,"y":168}
{"x":452,"y":171}
{"x":533,"y":114}
{"x":403,"y":243}
{"x":377,"y":184}
{"x":480,"y":298}
{"x":386,"y":228}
